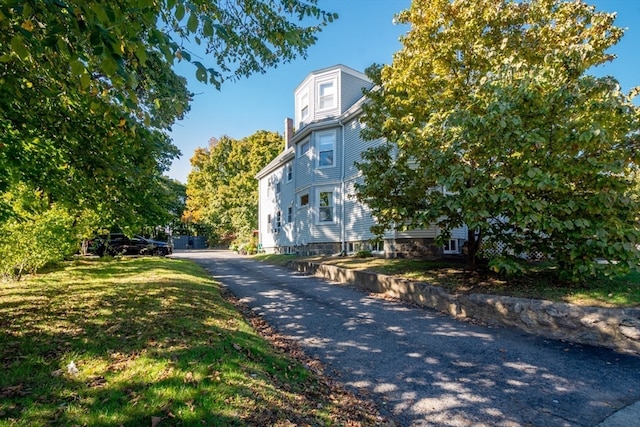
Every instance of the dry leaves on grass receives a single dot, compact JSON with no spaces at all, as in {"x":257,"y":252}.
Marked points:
{"x":347,"y":409}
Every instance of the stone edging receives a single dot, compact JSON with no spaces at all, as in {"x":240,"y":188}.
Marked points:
{"x":618,"y":329}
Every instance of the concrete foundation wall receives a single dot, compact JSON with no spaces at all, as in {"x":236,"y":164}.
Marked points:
{"x":618,"y":329}
{"x":313,"y":249}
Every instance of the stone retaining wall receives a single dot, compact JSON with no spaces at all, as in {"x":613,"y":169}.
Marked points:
{"x":618,"y":329}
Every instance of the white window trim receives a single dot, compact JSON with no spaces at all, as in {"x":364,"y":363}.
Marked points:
{"x":288,"y":168}
{"x":319,"y":84}
{"x":377,"y":247}
{"x":301,"y":144}
{"x":332,"y":205}
{"x":290,"y":213}
{"x":304,"y":103}
{"x":456,"y":250}
{"x":317,"y":140}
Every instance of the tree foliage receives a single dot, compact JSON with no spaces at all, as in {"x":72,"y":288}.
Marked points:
{"x":38,"y":234}
{"x":88,"y":93}
{"x":493,"y":121}
{"x":222,"y":191}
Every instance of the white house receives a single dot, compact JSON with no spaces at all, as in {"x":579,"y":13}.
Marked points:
{"x":306,"y":194}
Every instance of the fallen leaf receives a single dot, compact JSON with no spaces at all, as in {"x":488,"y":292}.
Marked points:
{"x":96,"y":381}
{"x":188,"y":378}
{"x":11,"y":391}
{"x":237,"y":347}
{"x":155,"y":421}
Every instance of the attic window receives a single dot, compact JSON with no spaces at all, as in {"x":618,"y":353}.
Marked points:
{"x":304,"y":106}
{"x":326,"y":95}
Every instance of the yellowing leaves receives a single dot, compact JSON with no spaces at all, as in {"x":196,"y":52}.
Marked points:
{"x":27,"y":25}
{"x":502,"y":105}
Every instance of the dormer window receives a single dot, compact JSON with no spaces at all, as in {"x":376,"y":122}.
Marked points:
{"x":326,"y":95}
{"x":304,"y":106}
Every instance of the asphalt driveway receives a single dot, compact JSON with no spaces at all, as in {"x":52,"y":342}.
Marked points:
{"x":423,"y":368}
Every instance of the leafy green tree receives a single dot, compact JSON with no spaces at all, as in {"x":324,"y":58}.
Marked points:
{"x":493,"y":121}
{"x":222,"y":191}
{"x":88,"y":93}
{"x":75,"y":143}
{"x":124,"y":43}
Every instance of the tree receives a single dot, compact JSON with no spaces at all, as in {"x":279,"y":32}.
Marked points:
{"x":87,"y":92}
{"x":492,"y":120}
{"x":222,"y":191}
{"x":120,"y":43}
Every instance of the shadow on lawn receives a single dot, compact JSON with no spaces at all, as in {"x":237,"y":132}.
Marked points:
{"x":149,"y":340}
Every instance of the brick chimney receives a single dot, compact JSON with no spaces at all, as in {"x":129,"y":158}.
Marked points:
{"x":288,"y":132}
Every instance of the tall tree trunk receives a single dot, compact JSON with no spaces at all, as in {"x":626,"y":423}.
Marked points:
{"x":473,"y":248}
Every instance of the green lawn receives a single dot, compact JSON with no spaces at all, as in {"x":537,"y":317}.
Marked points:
{"x":155,"y":343}
{"x":539,"y":283}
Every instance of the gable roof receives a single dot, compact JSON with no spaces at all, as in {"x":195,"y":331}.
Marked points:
{"x":274,"y":164}
{"x":343,"y":68}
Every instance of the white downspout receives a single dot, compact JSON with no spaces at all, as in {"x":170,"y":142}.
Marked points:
{"x":343,"y":229}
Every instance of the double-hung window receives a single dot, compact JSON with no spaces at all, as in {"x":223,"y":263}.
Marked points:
{"x":326,"y":95}
{"x":304,"y":106}
{"x":326,"y":148}
{"x":325,"y":206}
{"x":289,"y":171}
{"x":303,"y":148}
{"x":289,"y":214}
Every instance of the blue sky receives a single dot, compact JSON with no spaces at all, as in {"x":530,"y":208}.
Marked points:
{"x":364,"y":34}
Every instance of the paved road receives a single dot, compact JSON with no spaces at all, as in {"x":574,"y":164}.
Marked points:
{"x":426,"y":369}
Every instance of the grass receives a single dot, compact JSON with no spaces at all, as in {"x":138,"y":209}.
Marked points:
{"x":539,"y":283}
{"x":155,"y":342}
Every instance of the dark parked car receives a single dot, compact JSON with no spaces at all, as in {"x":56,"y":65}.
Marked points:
{"x":119,"y":244}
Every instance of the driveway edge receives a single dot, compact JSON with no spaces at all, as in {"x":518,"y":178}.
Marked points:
{"x":614,"y":328}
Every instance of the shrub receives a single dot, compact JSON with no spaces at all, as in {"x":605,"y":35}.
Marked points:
{"x":363,"y":254}
{"x":27,"y":244}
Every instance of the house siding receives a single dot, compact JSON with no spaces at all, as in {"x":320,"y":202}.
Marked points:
{"x":350,"y":225}
{"x":359,"y":219}
{"x":303,"y":165}
{"x":351,"y":89}
{"x":303,"y":224}
{"x":355,"y":146}
{"x":266,"y":206}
